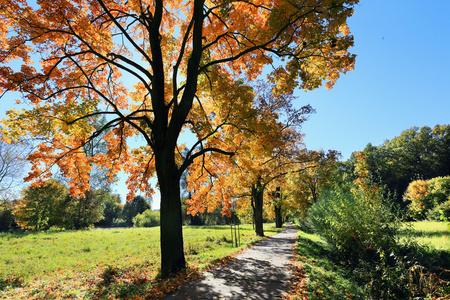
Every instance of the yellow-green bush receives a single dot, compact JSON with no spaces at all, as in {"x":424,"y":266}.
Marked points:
{"x":148,"y":218}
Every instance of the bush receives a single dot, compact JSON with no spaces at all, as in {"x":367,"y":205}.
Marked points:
{"x":352,"y":225}
{"x":148,"y":218}
{"x":440,"y":212}
{"x":136,"y":206}
{"x":426,"y":196}
{"x":362,"y":233}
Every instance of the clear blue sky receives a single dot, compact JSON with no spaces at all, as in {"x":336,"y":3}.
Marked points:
{"x":401,"y":77}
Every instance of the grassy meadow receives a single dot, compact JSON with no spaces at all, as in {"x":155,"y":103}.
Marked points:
{"x":105,"y":263}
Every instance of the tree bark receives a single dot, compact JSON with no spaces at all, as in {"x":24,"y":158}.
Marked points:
{"x":257,"y":205}
{"x":165,"y":132}
{"x":171,"y":229}
{"x":278,"y":216}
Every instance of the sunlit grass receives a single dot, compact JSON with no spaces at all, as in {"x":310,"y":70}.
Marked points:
{"x":73,"y":263}
{"x":28,"y":254}
{"x":431,"y":234}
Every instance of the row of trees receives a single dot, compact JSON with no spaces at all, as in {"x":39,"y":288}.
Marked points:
{"x":51,"y":206}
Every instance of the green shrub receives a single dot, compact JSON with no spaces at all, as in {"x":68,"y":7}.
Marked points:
{"x":148,"y":218}
{"x":134,"y":207}
{"x":425,"y":196}
{"x":351,"y":224}
{"x":440,"y":212}
{"x":362,"y":233}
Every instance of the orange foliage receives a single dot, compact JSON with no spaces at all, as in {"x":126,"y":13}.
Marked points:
{"x":155,"y":68}
{"x":417,"y":189}
{"x":218,"y":181}
{"x":304,"y":188}
{"x":418,"y":193}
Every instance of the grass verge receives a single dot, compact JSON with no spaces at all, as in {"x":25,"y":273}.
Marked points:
{"x":317,"y":275}
{"x":431,"y":234}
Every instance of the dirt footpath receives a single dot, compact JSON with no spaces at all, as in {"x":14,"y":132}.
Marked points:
{"x":260,"y":272}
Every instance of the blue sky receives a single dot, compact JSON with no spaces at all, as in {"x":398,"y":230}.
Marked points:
{"x":401,"y":77}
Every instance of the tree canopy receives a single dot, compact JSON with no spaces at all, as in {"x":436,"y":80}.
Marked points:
{"x":417,"y":153}
{"x":154,"y":69}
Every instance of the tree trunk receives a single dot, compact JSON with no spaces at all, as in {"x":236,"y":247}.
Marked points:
{"x":257,"y":204}
{"x":172,"y":252}
{"x":278,"y":216}
{"x":167,"y":125}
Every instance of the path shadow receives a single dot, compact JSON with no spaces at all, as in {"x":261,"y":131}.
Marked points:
{"x":258,"y":273}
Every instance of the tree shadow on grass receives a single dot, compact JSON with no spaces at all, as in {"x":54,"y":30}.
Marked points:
{"x":130,"y":283}
{"x":423,"y":234}
{"x":432,"y":258}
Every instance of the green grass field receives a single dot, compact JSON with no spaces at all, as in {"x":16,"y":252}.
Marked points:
{"x":102,"y":263}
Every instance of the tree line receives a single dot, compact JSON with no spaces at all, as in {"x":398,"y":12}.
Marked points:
{"x":50,"y":207}
{"x":417,"y":157}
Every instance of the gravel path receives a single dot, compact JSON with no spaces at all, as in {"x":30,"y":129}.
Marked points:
{"x":260,"y":272}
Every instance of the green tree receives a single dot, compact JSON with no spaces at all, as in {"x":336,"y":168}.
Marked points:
{"x":112,"y":208}
{"x":136,"y":206}
{"x":51,"y":205}
{"x":39,"y":207}
{"x":6,"y":215}
{"x":418,"y":153}
{"x":81,"y":212}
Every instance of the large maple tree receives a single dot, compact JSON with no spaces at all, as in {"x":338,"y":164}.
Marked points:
{"x":155,"y":68}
